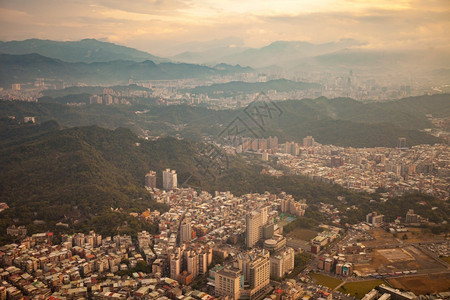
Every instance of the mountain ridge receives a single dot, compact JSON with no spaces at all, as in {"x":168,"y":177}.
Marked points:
{"x":237,"y":87}
{"x":29,"y":67}
{"x":283,"y":51}
{"x":340,"y":121}
{"x":85,"y":50}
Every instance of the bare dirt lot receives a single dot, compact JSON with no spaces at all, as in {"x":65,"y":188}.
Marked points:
{"x":414,"y":235}
{"x":398,"y":259}
{"x":421,"y":285}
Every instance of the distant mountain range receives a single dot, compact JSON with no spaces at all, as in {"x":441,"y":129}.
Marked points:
{"x":290,"y":57}
{"x":87,"y":50}
{"x":277,"y":53}
{"x":283,"y":53}
{"x":28,"y":67}
{"x":340,"y":56}
{"x":210,"y":56}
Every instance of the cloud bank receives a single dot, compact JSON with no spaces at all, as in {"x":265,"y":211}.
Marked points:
{"x":158,"y":25}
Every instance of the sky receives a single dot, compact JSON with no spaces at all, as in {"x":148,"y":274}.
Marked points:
{"x":164,"y":27}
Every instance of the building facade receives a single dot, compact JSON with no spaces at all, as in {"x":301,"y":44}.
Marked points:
{"x":150,"y":180}
{"x":227,"y":283}
{"x":170,"y":181}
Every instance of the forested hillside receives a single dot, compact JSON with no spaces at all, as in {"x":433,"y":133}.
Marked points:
{"x":341,"y":121}
{"x":78,"y":175}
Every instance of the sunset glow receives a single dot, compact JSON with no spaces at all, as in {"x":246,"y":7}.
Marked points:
{"x":155,"y":26}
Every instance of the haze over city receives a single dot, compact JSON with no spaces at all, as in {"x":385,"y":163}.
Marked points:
{"x":225,"y":150}
{"x":160,"y":27}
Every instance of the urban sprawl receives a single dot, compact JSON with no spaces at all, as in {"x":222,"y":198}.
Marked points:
{"x":209,"y":246}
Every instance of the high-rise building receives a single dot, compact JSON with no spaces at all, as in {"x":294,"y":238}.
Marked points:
{"x":144,"y":240}
{"x":264,"y":215}
{"x":192,"y":263}
{"x":95,"y":99}
{"x":175,"y":266}
{"x":401,"y":143}
{"x":268,"y":230}
{"x":202,"y":263}
{"x":150,"y":179}
{"x":259,"y":275}
{"x":227,"y":283}
{"x":107,"y":99}
{"x":411,"y":217}
{"x":281,"y":263}
{"x":254,"y":223}
{"x":262,"y":144}
{"x":273,"y":143}
{"x":246,"y":144}
{"x":254,"y":144}
{"x":289,"y":205}
{"x":170,"y":179}
{"x":276,"y":266}
{"x":374,"y":218}
{"x":78,"y":239}
{"x":290,"y":148}
{"x":185,"y":232}
{"x":308,"y":141}
{"x":253,"y":227}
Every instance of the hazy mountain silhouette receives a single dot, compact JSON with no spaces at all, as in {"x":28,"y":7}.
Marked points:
{"x":87,"y":50}
{"x":277,"y":53}
{"x":28,"y":67}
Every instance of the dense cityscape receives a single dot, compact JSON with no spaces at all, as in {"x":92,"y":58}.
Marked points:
{"x":174,"y":92}
{"x":422,"y":168}
{"x":219,"y":245}
{"x":229,"y":150}
{"x":210,"y":246}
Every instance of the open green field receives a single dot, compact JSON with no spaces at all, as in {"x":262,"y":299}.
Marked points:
{"x":325,"y":280}
{"x":359,"y":289}
{"x":303,"y":234}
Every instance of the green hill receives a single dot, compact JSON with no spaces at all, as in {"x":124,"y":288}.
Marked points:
{"x":77,"y":175}
{"x":239,"y":87}
{"x":87,"y":50}
{"x":343,"y":122}
{"x":407,"y":113}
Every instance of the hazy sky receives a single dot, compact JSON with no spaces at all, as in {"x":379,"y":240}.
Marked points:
{"x":158,"y":25}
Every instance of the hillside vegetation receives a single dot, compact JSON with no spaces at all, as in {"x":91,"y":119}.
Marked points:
{"x":341,"y":121}
{"x":79,"y":175}
{"x":239,"y":87}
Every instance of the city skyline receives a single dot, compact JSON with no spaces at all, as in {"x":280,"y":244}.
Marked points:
{"x":160,"y":27}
